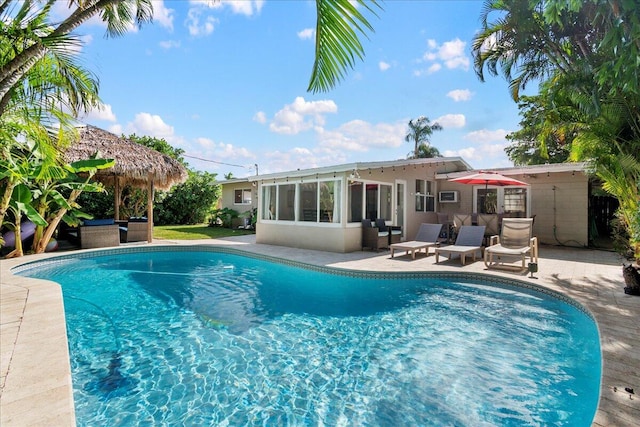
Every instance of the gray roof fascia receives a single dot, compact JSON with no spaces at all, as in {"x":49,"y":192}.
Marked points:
{"x":360,"y":166}
{"x":527,"y":170}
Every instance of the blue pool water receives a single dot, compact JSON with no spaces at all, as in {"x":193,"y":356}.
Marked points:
{"x":206,"y":338}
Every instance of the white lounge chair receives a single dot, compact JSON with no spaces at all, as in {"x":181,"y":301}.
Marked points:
{"x":427,"y":237}
{"x":515,"y":241}
{"x":468,"y":241}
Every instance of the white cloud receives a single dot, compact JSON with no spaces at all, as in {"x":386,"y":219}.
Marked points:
{"x":199,"y":25}
{"x":307,"y":34}
{"x":169,"y":44}
{"x":116,"y":129}
{"x":242,"y":7}
{"x":460,"y":95}
{"x":468,"y":153}
{"x":488,"y":147}
{"x":260,"y":117}
{"x":103,"y":112}
{"x":301,"y":115}
{"x":383,"y":66}
{"x":162,"y":15}
{"x":151,"y":125}
{"x":486,"y":136}
{"x":358,"y":135}
{"x":449,"y":121}
{"x":220,"y":150}
{"x":300,"y":158}
{"x":450,"y":54}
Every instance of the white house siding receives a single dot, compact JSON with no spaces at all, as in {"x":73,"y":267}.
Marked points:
{"x":560,"y":221}
{"x":228,"y":196}
{"x":319,"y":237}
{"x":567,"y":212}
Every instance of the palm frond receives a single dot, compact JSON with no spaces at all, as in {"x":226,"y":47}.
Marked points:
{"x":337,"y":42}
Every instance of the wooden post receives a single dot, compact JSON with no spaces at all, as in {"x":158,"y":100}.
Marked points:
{"x":150,"y":210}
{"x":116,"y":197}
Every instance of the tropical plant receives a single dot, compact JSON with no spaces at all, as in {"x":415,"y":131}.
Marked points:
{"x":337,"y":44}
{"x":591,"y":90}
{"x":420,"y":131}
{"x":223,"y":217}
{"x":52,"y":203}
{"x":427,"y":152}
{"x":29,"y":33}
{"x":188,"y":203}
{"x":536,"y":142}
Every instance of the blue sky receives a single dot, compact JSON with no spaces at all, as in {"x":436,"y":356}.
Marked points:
{"x":226,"y":81}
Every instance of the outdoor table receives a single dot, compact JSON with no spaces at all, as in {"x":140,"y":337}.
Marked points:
{"x":412,"y":246}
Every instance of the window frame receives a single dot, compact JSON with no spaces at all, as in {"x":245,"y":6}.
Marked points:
{"x":243,"y":201}
{"x":425,"y":195}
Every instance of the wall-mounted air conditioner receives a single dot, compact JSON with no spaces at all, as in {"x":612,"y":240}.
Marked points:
{"x":448,"y":197}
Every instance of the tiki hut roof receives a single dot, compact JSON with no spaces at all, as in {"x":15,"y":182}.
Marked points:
{"x":135,"y":163}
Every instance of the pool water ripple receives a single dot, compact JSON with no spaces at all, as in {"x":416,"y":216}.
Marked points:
{"x":200,"y":339}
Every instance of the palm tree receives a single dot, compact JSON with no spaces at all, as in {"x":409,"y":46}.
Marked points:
{"x":420,"y":131}
{"x":592,"y":89}
{"x":28,"y":34}
{"x":427,"y":152}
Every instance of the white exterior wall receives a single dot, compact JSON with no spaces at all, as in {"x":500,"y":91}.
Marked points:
{"x":228,"y":196}
{"x":559,"y":202}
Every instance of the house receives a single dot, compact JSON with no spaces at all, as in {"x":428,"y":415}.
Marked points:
{"x":322,"y":208}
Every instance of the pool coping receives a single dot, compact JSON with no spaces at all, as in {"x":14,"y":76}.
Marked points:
{"x":39,"y":349}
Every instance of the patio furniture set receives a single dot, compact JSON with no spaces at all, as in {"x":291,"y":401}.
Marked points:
{"x":102,"y":233}
{"x":513,"y":240}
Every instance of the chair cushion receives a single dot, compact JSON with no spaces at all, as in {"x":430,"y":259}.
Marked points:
{"x":91,"y":222}
{"x":138,"y":219}
{"x":499,"y":249}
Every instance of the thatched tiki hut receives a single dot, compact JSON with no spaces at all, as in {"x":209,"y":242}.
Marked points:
{"x":136,"y":165}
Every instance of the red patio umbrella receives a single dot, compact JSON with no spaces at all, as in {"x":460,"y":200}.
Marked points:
{"x":487,"y":178}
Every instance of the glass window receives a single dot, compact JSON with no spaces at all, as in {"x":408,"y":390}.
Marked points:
{"x":242,"y":197}
{"x":425,"y":200}
{"x":515,"y":202}
{"x":308,"y":202}
{"x":356,"y":191}
{"x":286,"y":202}
{"x":386,"y":192}
{"x":330,"y":201}
{"x":269,"y":202}
{"x":487,"y":201}
{"x":371,"y":201}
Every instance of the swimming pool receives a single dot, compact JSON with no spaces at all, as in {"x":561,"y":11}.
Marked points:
{"x":200,"y":337}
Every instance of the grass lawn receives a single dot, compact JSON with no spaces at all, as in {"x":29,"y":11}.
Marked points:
{"x":195,"y":232}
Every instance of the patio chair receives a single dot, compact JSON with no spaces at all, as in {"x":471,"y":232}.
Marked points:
{"x":372,"y":237}
{"x":460,"y":220}
{"x":515,"y":241}
{"x":490,"y":221}
{"x":395,"y":232}
{"x":135,"y":230}
{"x":468,"y":241}
{"x":427,"y":237}
{"x":98,"y":233}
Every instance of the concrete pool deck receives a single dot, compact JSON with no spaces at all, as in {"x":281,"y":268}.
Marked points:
{"x":35,"y":377}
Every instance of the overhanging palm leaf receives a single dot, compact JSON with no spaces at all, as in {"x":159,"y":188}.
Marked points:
{"x":337,"y":43}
